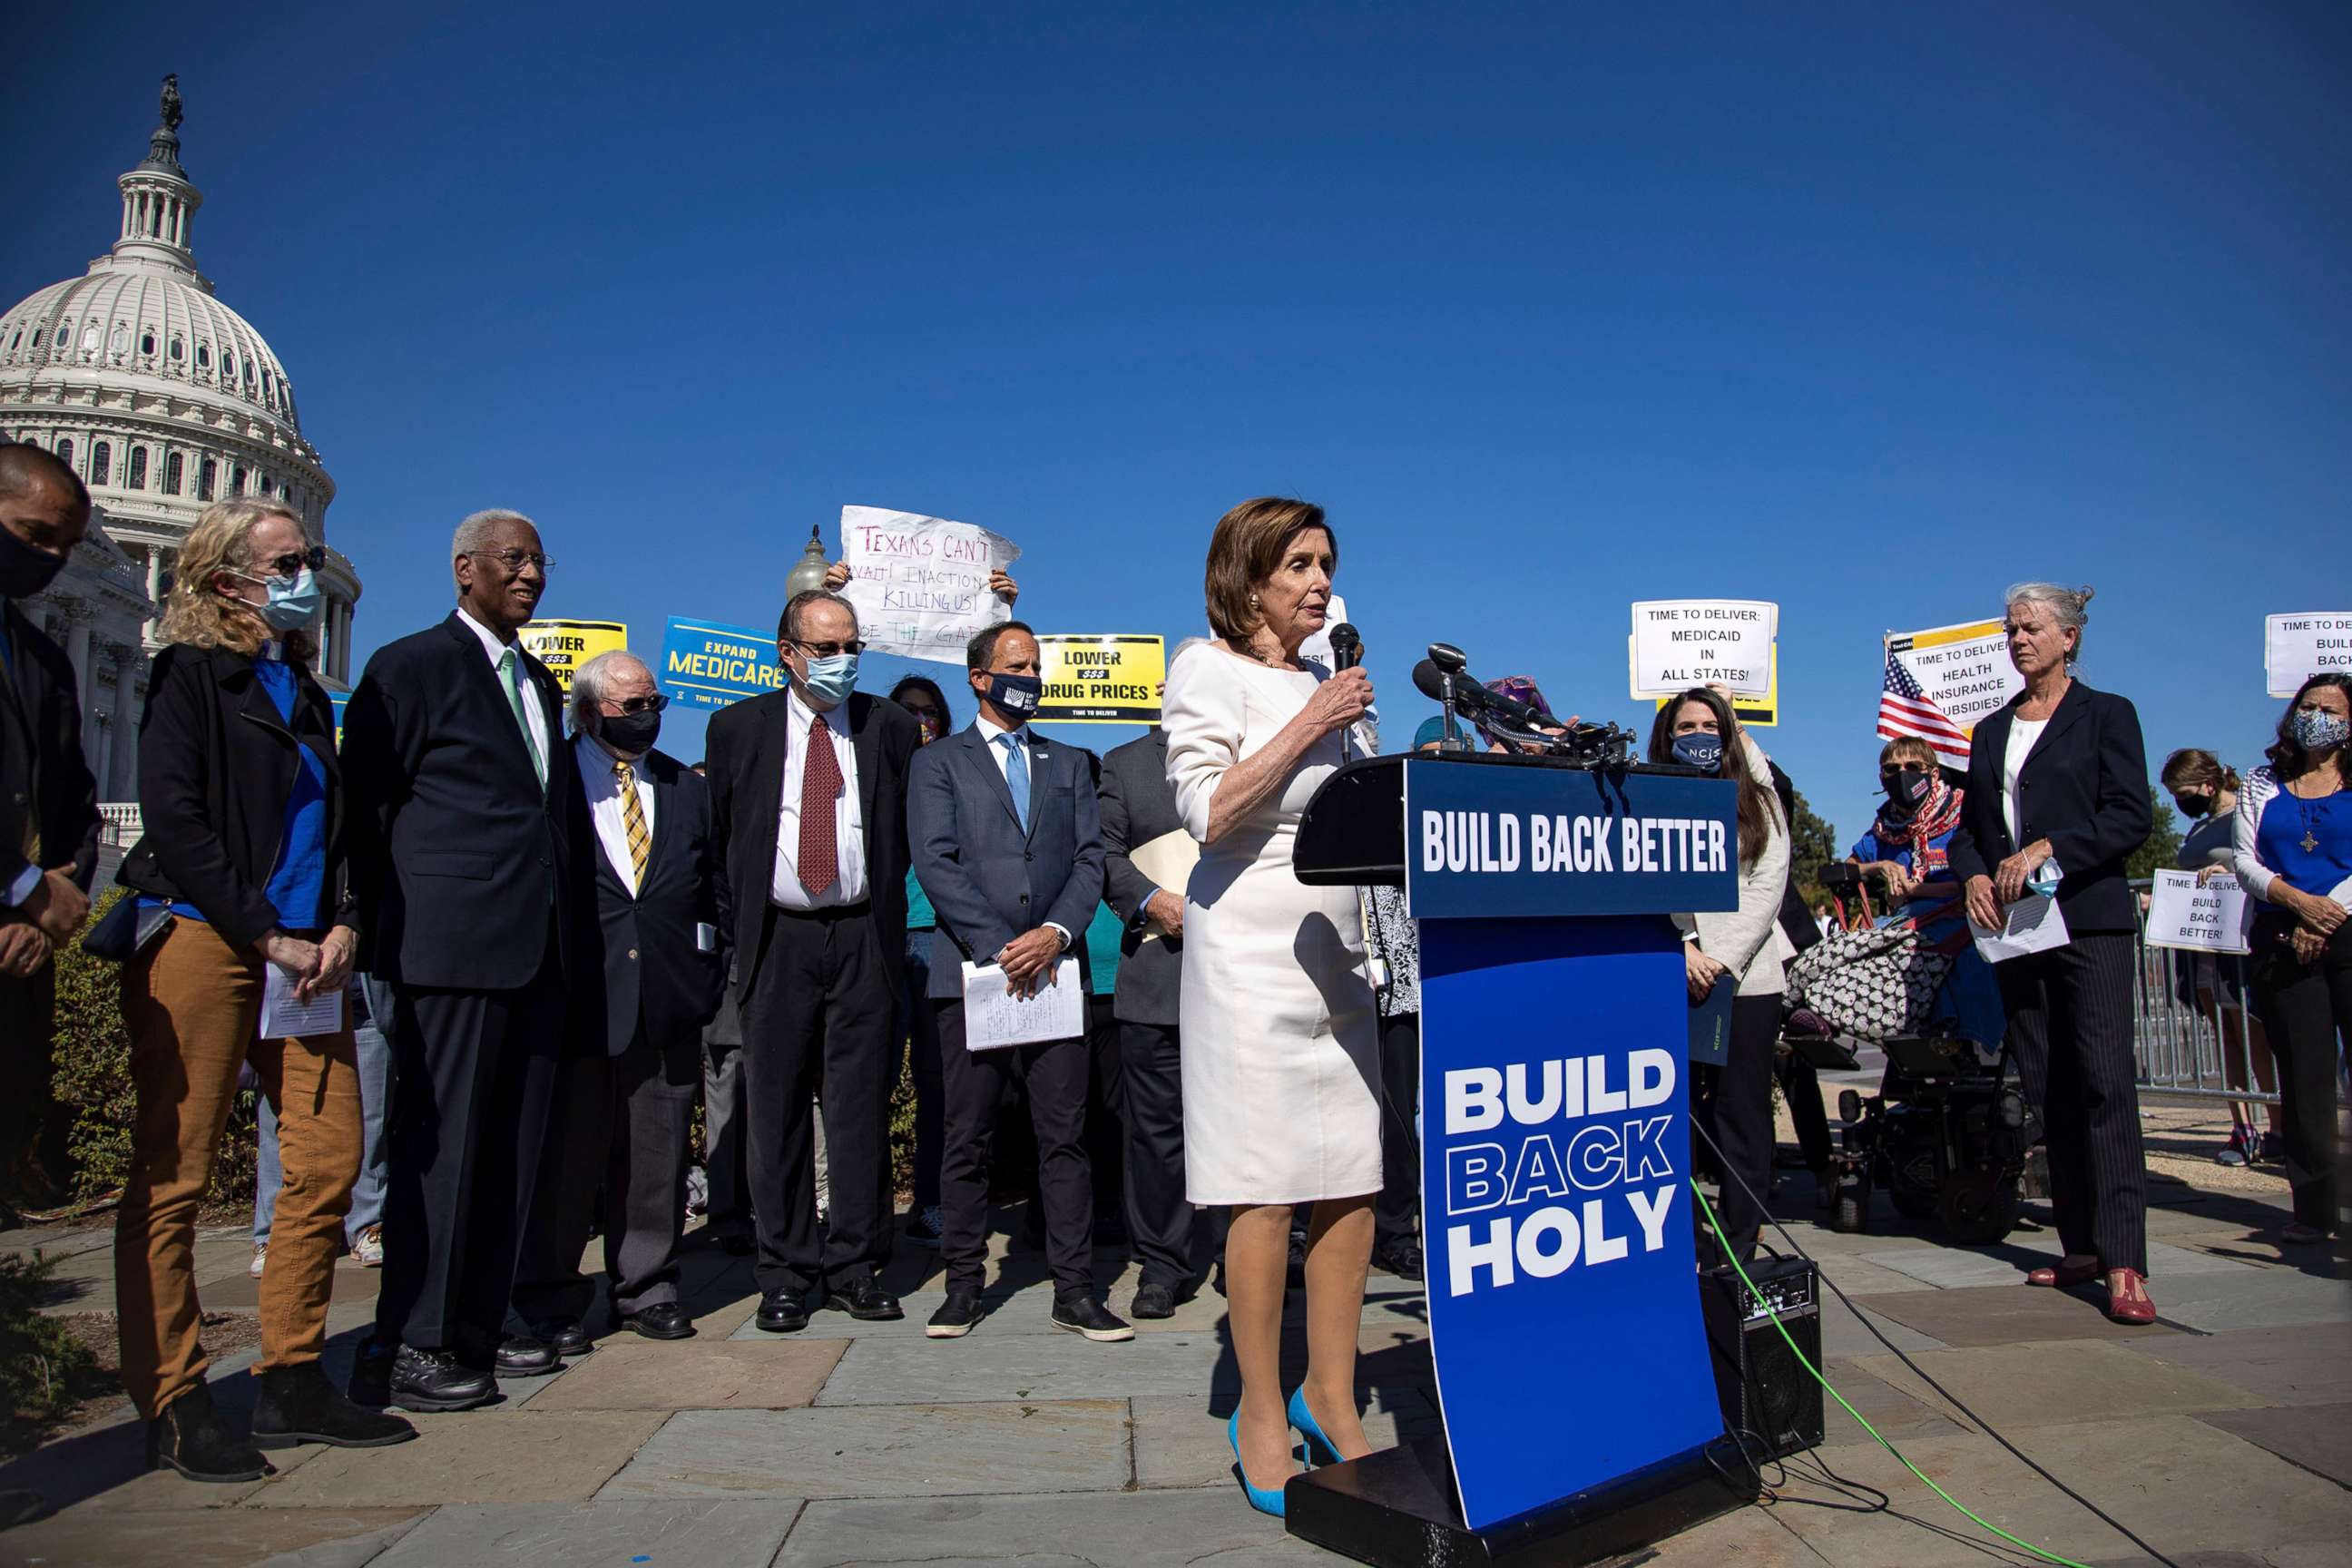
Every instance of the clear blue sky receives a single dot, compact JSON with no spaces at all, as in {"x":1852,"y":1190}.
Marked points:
{"x":1867,"y":310}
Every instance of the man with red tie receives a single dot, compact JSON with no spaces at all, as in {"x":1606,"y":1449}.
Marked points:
{"x":809,"y":809}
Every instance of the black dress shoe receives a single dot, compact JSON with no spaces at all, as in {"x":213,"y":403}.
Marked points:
{"x":866,"y":1301}
{"x":297,"y":1404}
{"x":1084,"y":1315}
{"x":662,"y":1320}
{"x":781,"y":1311}
{"x":522,"y":1356}
{"x":1401,"y":1258}
{"x":1155,"y":1301}
{"x":956,"y":1317}
{"x":191,"y":1438}
{"x":568,"y":1336}
{"x":422,"y":1380}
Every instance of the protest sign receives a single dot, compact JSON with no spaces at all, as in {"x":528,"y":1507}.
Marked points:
{"x":2211,"y":919}
{"x":1682,"y":643}
{"x":1941,"y":683}
{"x":2296,"y":648}
{"x":337,"y":701}
{"x":565,"y":646}
{"x":1107,"y":679}
{"x":1755,"y":713}
{"x":707,"y":664}
{"x":920,"y":583}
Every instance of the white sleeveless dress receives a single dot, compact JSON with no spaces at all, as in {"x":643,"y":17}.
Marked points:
{"x":1280,"y":1040}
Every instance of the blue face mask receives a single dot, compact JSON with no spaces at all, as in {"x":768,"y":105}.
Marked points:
{"x":2317,"y":730}
{"x":830,"y":680}
{"x":1015,"y":695}
{"x":1699,"y":750}
{"x":294,"y":603}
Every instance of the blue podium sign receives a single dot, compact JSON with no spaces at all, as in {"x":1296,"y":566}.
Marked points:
{"x":1498,"y":842}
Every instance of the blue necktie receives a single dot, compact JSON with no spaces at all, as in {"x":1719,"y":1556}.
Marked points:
{"x":1017,"y":777}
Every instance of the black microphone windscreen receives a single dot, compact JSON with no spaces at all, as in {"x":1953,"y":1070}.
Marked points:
{"x":1347,"y":646}
{"x":1428,"y":682}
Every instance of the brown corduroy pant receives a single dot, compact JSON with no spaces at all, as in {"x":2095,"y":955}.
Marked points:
{"x":194,"y":1007}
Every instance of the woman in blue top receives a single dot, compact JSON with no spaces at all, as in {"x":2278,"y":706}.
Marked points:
{"x":242,"y":861}
{"x":2293,"y":851}
{"x":1906,"y":847}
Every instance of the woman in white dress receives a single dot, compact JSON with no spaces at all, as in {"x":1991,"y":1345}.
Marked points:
{"x":1281,"y":1056}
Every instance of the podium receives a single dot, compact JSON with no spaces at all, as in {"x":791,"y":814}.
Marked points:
{"x":1573,"y":1377}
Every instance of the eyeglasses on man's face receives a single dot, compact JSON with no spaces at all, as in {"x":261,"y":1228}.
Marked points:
{"x":293,"y":561}
{"x":830,"y":649}
{"x":514,"y":561}
{"x":632,"y":706}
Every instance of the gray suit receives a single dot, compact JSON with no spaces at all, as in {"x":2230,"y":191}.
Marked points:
{"x":992,"y":880}
{"x":1137,"y":806}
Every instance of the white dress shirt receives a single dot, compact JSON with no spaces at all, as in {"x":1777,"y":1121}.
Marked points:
{"x":989,"y":733}
{"x":534,"y":713}
{"x":2023,"y":733}
{"x":604,"y":791}
{"x":784,"y":890}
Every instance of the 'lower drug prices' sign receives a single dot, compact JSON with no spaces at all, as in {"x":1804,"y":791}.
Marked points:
{"x":1110,"y":679}
{"x":1556,"y":1147}
{"x":565,"y":646}
{"x":2209,"y":918}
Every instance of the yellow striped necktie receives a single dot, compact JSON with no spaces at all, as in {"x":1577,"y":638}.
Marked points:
{"x":633,"y":822}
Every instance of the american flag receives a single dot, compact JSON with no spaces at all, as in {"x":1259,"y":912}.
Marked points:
{"x":1903,"y":709}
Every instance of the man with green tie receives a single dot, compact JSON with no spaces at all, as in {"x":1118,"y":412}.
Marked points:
{"x":463,"y":794}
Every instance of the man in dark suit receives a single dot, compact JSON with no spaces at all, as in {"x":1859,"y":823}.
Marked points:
{"x":1008,"y":848}
{"x":49,"y":814}
{"x":625,"y":1104}
{"x":463,"y":803}
{"x":1139,"y":806}
{"x":808,"y":790}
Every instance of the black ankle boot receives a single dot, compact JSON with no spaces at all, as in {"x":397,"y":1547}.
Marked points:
{"x":191,"y":1438}
{"x":297,"y":1404}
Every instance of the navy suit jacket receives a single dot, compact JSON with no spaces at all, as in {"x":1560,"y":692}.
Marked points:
{"x":2084,"y":787}
{"x":653,"y":971}
{"x":987,"y":880}
{"x":40,"y":756}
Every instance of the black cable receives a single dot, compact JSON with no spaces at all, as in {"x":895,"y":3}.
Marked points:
{"x":1860,"y":1316}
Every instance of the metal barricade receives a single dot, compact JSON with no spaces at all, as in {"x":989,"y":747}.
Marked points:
{"x":2195,"y":1036}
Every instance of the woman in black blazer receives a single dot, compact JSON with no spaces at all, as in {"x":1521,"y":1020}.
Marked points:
{"x":2058,"y":786}
{"x":241,"y":860}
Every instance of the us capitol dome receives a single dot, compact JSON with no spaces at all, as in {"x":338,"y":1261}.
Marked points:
{"x":163,"y":400}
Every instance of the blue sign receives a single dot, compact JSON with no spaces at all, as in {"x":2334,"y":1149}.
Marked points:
{"x":1489,"y":841}
{"x":1563,"y":1306}
{"x":337,"y":701}
{"x":707,"y":664}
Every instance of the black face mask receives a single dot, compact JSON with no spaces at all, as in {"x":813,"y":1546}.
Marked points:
{"x":1905,"y":792}
{"x":632,"y":733}
{"x":1015,"y":696}
{"x":25,"y":571}
{"x":2193,"y":807}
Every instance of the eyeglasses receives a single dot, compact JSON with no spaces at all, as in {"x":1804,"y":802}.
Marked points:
{"x":633,"y":705}
{"x":830,"y":649}
{"x":293,"y":561}
{"x":1897,"y":769}
{"x":516,"y":560}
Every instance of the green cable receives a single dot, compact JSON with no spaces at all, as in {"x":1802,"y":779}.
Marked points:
{"x":1708,"y":1210}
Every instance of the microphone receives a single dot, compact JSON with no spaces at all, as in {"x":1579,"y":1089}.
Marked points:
{"x":1347,"y":647}
{"x":1472,"y":700}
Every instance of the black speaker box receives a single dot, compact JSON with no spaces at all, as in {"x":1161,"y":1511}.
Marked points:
{"x":1765,"y":1390}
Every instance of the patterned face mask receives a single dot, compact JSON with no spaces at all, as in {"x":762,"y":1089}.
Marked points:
{"x":2317,"y":730}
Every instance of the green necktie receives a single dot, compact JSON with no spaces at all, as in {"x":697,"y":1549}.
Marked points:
{"x":511,"y":675}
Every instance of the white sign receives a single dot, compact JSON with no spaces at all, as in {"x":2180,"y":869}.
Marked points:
{"x":2032,"y":924}
{"x":1682,"y":643}
{"x":2211,"y":919}
{"x":2296,"y":648}
{"x":1964,"y":670}
{"x":284,"y":1017}
{"x":993,"y":1016}
{"x":920,"y":583}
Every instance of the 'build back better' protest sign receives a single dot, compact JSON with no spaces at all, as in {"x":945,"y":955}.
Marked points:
{"x":2296,"y":648}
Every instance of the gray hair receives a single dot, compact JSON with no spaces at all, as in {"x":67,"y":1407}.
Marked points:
{"x":474,"y":533}
{"x":2067,"y":606}
{"x":788,"y":629}
{"x":588,"y":682}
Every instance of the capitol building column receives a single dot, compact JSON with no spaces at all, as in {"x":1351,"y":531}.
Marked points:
{"x":122,"y":782}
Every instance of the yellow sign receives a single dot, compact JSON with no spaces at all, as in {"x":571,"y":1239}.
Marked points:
{"x":1107,"y":680}
{"x":1756,"y":712}
{"x":565,"y":646}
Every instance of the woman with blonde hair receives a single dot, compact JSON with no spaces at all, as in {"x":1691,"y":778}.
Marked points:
{"x":240,"y":880}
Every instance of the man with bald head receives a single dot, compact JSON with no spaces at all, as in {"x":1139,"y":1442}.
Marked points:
{"x":49,"y":814}
{"x":626,"y":1100}
{"x":464,"y":808}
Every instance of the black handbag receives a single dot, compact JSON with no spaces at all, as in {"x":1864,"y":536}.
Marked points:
{"x":127,"y":929}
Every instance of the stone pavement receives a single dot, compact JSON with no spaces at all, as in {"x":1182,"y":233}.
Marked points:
{"x":2222,"y":1434}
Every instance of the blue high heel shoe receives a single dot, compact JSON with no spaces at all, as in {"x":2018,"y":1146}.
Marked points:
{"x":1260,"y":1497}
{"x":1320,"y":1449}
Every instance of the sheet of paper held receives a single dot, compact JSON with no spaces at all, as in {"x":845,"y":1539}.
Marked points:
{"x":991,"y":1018}
{"x":283,"y":1017}
{"x":2032,"y":924}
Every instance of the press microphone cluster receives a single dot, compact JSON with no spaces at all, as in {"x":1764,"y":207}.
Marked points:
{"x":1444,"y":677}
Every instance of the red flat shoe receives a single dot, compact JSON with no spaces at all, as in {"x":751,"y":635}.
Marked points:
{"x":2065,"y":1274}
{"x":2128,"y":1303}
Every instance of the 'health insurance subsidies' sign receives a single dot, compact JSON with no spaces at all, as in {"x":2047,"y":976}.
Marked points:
{"x":2296,"y":648}
{"x":920,"y":583}
{"x":1110,"y":679}
{"x":1964,"y":670}
{"x":707,"y":664}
